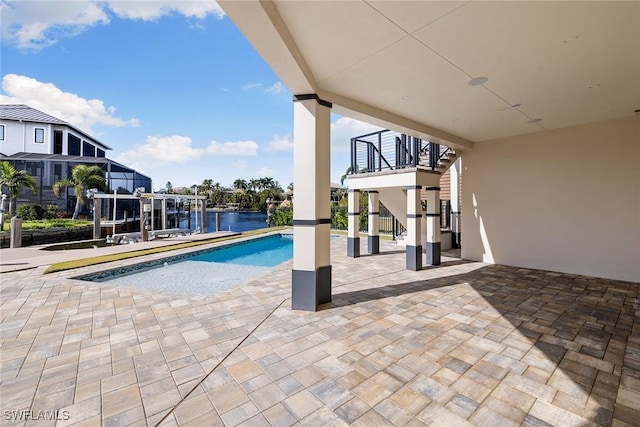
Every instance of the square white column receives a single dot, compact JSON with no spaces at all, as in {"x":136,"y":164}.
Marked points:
{"x":353,"y":231}
{"x":311,"y":275}
{"x":373,"y":235}
{"x":456,"y":171}
{"x":97,"y":210}
{"x":433,"y":225}
{"x":414,"y":228}
{"x":164,"y":214}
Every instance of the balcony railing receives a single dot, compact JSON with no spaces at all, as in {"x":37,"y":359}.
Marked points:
{"x":390,"y":150}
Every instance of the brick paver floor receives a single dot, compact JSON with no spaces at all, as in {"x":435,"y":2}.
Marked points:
{"x":465,"y":343}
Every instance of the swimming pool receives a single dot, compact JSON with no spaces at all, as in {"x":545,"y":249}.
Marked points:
{"x":203,"y":272}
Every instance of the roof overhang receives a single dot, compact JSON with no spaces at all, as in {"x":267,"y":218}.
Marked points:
{"x":408,"y":65}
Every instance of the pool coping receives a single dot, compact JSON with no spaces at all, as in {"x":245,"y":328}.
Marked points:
{"x":155,"y":263}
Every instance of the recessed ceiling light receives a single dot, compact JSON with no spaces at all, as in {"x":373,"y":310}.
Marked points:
{"x":595,"y":86}
{"x":405,"y":97}
{"x":533,"y":121}
{"x":478,"y":81}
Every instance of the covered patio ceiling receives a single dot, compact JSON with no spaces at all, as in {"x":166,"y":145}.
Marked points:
{"x":407,"y":65}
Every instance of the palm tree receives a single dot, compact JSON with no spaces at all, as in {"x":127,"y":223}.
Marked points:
{"x":206,"y":186}
{"x":267,"y":183}
{"x":240,"y":184}
{"x":254,"y":184}
{"x":83,"y":177}
{"x":15,"y":180}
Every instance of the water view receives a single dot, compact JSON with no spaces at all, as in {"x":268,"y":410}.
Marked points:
{"x":230,"y":221}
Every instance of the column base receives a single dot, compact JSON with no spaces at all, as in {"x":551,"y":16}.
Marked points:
{"x":353,"y":247}
{"x":414,"y":258}
{"x":455,"y":240}
{"x":309,"y":289}
{"x":433,"y":253}
{"x":373,"y":244}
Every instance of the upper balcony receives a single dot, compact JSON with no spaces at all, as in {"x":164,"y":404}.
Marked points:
{"x":388,"y":150}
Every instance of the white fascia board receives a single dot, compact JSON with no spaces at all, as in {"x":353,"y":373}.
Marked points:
{"x":393,"y":179}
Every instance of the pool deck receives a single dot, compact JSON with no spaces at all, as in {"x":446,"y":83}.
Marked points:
{"x":464,"y":343}
{"x":28,"y":257}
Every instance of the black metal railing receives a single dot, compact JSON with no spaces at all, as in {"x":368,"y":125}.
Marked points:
{"x":388,"y":224}
{"x":390,"y":150}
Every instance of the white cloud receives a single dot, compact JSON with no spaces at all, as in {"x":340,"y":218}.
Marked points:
{"x":264,"y":171}
{"x":80,"y":112}
{"x":250,"y":86}
{"x":160,"y":150}
{"x":37,"y":24}
{"x":151,"y":10}
{"x":239,"y":164}
{"x":237,"y":148}
{"x":275,"y":89}
{"x":345,"y":128}
{"x":33,"y":25}
{"x":280,"y":143}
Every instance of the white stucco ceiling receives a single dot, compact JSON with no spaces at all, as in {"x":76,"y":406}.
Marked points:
{"x":407,"y":64}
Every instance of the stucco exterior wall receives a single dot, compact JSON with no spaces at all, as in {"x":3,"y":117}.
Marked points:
{"x":566,"y":200}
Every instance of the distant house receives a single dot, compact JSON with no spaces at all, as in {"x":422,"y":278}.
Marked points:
{"x":48,"y":148}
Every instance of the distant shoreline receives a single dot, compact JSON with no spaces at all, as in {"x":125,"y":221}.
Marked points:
{"x":230,"y":210}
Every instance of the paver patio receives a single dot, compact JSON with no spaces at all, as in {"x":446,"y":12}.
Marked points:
{"x":465,"y":343}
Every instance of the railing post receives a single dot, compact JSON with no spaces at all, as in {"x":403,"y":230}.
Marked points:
{"x":379,"y":151}
{"x":16,"y":233}
{"x":353,"y":155}
{"x":434,"y":153}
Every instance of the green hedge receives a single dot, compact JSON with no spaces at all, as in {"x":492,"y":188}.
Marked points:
{"x":282,"y":217}
{"x":30,"y":212}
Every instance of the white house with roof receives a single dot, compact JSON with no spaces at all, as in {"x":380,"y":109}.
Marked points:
{"x":48,"y":148}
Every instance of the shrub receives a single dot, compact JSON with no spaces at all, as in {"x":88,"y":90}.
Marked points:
{"x":52,"y":211}
{"x":339,"y":218}
{"x":282,"y":217}
{"x":30,"y":212}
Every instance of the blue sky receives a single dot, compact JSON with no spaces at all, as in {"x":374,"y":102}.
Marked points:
{"x":173,"y":87}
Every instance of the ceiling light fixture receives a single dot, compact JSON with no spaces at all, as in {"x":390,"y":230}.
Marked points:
{"x":595,"y":86}
{"x":534,"y":121}
{"x":404,"y":97}
{"x":478,"y":81}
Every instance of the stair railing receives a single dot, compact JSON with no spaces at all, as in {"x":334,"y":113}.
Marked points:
{"x":389,"y":150}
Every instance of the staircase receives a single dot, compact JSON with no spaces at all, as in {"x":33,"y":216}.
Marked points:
{"x":386,"y":154}
{"x":389,"y":150}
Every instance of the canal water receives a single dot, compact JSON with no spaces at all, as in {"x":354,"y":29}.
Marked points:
{"x":230,"y":221}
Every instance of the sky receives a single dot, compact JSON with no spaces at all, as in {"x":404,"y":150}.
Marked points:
{"x":172,"y":87}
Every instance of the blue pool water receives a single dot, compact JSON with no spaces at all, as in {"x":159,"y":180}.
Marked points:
{"x":265,"y":252}
{"x":204,"y":272}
